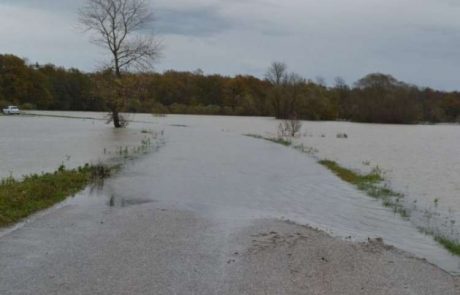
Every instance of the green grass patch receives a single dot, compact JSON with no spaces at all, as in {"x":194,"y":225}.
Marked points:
{"x":371,"y":184}
{"x":21,"y":198}
{"x":278,"y":140}
{"x":452,"y":246}
{"x":352,"y":177}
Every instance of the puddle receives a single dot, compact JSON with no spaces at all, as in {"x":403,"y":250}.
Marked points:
{"x":119,"y":202}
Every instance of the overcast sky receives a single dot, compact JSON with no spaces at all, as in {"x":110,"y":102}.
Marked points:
{"x":417,"y":41}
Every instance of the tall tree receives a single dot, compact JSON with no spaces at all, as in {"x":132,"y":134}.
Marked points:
{"x":116,"y":26}
{"x":277,"y":76}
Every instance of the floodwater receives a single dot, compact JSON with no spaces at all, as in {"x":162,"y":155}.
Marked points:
{"x":420,"y":161}
{"x":208,"y":167}
{"x":41,"y":144}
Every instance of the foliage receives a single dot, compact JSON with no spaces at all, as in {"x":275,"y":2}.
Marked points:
{"x":19,"y":199}
{"x":45,"y":86}
{"x":376,"y":98}
{"x":114,"y":91}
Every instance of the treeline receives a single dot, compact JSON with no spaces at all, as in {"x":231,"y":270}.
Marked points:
{"x":45,"y":87}
{"x":374,"y":98}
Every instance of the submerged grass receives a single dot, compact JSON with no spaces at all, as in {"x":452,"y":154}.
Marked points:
{"x":278,"y":140}
{"x":452,"y":246}
{"x":371,"y":184}
{"x":21,"y":198}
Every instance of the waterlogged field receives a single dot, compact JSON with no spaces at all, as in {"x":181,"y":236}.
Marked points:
{"x":35,"y":144}
{"x":419,"y":162}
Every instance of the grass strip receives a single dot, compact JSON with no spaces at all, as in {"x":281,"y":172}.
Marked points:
{"x":371,"y":184}
{"x":21,"y":198}
{"x":452,"y":246}
{"x":278,"y":140}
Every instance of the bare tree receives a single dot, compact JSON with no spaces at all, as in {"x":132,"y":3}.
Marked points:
{"x":116,"y":25}
{"x":287,"y":90}
{"x":340,"y":83}
{"x":294,"y":94}
{"x":277,"y":73}
{"x":320,"y":81}
{"x":289,"y":127}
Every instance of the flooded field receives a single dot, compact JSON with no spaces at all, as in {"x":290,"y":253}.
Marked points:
{"x":31,"y":144}
{"x":207,"y":166}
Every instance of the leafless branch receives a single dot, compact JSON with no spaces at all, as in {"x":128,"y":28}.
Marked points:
{"x":124,"y":28}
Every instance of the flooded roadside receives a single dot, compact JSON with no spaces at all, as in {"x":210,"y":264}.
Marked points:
{"x":418,"y":161}
{"x":239,"y":179}
{"x":208,"y":168}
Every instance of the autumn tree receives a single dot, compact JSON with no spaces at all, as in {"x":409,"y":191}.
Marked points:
{"x":375,"y":98}
{"x":117,"y":25}
{"x":293,"y":95}
{"x":382,"y":98}
{"x":287,"y":91}
{"x":22,"y":84}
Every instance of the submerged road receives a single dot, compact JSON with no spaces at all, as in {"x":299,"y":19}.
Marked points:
{"x":213,"y":212}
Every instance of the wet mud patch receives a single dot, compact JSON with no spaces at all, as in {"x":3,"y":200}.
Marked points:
{"x":285,"y":258}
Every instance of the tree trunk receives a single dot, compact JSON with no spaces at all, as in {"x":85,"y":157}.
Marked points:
{"x":117,"y":67}
{"x":115,"y":110}
{"x":116,"y":119}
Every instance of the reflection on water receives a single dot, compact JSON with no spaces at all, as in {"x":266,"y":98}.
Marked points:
{"x":120,"y":202}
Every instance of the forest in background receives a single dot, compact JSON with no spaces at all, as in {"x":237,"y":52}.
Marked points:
{"x":376,"y":98}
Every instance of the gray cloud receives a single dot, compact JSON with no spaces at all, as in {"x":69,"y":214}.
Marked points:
{"x":53,"y":5}
{"x":191,"y":22}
